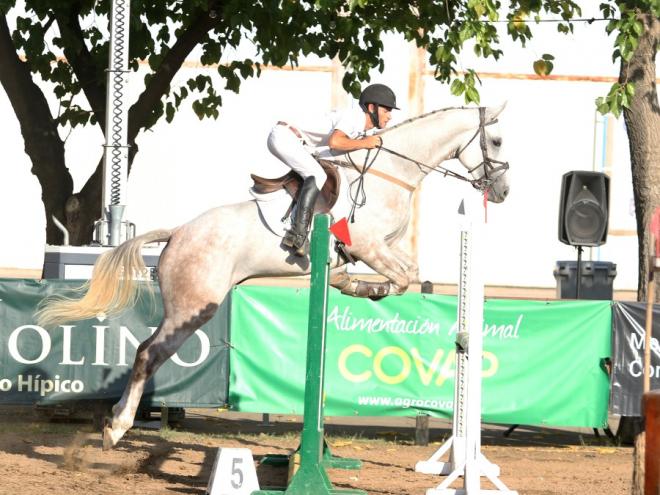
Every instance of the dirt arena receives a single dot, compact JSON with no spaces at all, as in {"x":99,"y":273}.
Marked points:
{"x":38,"y":456}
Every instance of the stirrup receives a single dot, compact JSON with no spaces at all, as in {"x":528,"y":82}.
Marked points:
{"x":296,"y":240}
{"x":304,"y":249}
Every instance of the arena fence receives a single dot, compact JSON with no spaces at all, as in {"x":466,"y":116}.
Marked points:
{"x":545,"y":362}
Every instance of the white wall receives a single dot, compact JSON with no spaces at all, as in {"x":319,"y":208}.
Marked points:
{"x":549,"y":127}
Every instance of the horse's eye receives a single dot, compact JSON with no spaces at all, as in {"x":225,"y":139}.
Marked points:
{"x":497,"y":142}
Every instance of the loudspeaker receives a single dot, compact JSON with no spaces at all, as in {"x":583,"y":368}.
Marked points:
{"x":584,"y":208}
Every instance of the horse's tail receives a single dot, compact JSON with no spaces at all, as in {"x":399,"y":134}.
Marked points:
{"x":112,"y":287}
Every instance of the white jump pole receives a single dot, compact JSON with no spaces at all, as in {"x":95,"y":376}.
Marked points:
{"x":464,"y":446}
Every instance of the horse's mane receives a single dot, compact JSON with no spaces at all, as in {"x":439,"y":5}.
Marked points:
{"x":422,"y":116}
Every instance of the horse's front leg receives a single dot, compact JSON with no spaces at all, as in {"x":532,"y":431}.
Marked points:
{"x":383,"y":260}
{"x":411,"y":267}
{"x":151,"y":354}
{"x":353,"y":286}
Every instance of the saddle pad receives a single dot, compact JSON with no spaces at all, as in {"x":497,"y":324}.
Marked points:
{"x":273,"y":206}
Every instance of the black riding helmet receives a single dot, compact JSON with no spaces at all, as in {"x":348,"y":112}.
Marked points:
{"x":379,"y":95}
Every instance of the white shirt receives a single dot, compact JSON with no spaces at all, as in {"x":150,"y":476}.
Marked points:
{"x":317,"y":132}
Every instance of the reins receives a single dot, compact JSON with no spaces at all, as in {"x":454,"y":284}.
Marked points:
{"x":366,"y":167}
{"x":429,"y":168}
{"x":482,"y":183}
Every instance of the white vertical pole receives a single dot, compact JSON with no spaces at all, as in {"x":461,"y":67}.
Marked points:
{"x":474,"y":296}
{"x":465,"y":457}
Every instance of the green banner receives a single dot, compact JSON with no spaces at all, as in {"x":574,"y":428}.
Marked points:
{"x":542,"y":360}
{"x":92,"y":359}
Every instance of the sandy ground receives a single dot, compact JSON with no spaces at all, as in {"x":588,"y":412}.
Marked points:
{"x":38,"y":456}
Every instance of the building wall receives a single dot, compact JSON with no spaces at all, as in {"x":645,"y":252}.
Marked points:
{"x":549,"y":127}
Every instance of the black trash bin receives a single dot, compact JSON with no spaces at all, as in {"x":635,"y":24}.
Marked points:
{"x":596,"y":282}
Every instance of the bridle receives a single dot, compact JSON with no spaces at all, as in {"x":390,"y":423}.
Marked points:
{"x":482,"y":183}
{"x":486,"y":180}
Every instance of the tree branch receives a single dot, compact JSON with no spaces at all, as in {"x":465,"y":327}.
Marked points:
{"x":83,"y":64}
{"x":159,"y":84}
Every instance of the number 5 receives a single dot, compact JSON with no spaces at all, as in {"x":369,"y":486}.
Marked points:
{"x":235,"y":469}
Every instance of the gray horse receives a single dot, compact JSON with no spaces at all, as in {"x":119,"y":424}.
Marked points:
{"x":204,"y":258}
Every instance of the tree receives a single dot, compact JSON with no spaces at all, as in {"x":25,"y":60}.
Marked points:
{"x":642,"y":117}
{"x":165,"y":34}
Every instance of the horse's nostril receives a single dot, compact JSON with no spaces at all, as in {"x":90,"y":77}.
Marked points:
{"x":505,"y":193}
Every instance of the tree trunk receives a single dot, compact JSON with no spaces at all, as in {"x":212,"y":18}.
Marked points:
{"x":84,"y":208}
{"x":42,"y":141}
{"x":643,"y":125}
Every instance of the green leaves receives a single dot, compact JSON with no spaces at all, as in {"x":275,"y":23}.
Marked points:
{"x":627,"y":26}
{"x":73,"y":115}
{"x":207,"y":106}
{"x":544,"y":65}
{"x":466,"y":87}
{"x":5,"y":5}
{"x":457,"y":87}
{"x":279,"y":32}
{"x":617,"y":99}
{"x":228,"y":72}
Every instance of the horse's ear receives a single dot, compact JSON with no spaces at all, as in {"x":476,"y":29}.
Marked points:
{"x":493,"y":112}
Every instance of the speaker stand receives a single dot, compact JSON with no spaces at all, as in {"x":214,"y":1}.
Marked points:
{"x":578,"y":279}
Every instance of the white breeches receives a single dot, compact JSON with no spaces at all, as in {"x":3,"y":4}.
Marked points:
{"x":289,"y":148}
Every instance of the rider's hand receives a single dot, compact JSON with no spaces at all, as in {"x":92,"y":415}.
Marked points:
{"x":370,"y":142}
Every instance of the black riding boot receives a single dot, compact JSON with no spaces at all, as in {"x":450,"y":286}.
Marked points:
{"x":296,"y":236}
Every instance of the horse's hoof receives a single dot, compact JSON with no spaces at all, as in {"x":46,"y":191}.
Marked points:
{"x":111,"y":436}
{"x":108,"y":442}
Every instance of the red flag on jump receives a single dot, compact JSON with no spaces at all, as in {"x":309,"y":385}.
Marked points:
{"x":340,"y":230}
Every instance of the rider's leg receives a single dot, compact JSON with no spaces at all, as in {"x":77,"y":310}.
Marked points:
{"x":286,"y":146}
{"x":290,"y":149}
{"x":296,"y":236}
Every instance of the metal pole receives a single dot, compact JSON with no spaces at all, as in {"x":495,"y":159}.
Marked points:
{"x":108,"y":230}
{"x":578,"y":281}
{"x":311,"y":444}
{"x":311,"y":477}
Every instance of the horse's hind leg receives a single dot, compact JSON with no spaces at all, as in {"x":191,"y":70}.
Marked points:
{"x":151,"y":354}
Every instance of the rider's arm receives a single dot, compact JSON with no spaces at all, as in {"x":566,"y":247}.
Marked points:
{"x":339,"y":141}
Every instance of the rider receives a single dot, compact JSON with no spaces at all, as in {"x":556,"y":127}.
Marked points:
{"x":350,"y":130}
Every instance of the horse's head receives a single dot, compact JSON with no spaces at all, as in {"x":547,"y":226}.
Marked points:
{"x":480,"y":154}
